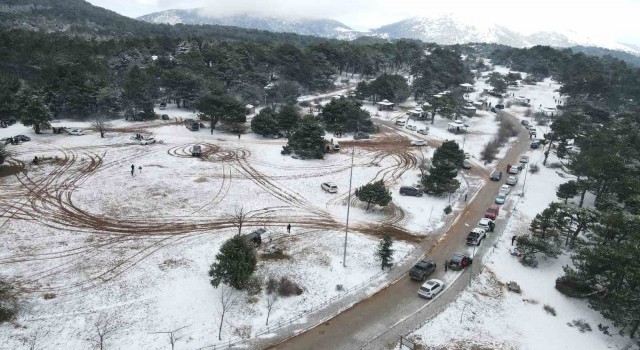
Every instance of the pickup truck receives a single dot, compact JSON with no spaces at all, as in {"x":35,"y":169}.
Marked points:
{"x":422,"y":270}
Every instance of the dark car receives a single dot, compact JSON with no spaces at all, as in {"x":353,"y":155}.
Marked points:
{"x":21,"y":138}
{"x":459,"y":261}
{"x":493,"y":109}
{"x":411,"y":191}
{"x":196,"y":151}
{"x":422,"y":270}
{"x":165,"y":117}
{"x":499,"y":106}
{"x":535,"y":144}
{"x":360,"y":136}
{"x":496,"y":175}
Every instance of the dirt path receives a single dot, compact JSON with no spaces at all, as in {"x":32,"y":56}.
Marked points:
{"x":378,"y":321}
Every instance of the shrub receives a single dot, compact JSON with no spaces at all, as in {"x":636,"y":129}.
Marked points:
{"x":582,"y":325}
{"x":288,"y":288}
{"x":490,"y":150}
{"x":448,"y":210}
{"x":534,"y":168}
{"x":550,"y":310}
{"x":8,"y":301}
{"x":272,"y":285}
{"x":253,"y":285}
{"x":48,"y":296}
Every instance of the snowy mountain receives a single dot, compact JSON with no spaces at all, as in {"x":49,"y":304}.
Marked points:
{"x":448,"y":29}
{"x":326,"y":28}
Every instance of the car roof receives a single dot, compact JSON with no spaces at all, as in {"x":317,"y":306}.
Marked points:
{"x":432,"y":282}
{"x":494,"y":206}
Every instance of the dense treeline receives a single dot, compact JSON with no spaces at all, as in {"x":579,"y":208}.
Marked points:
{"x":602,"y":118}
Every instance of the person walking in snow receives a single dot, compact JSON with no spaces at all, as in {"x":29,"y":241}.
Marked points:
{"x":289,"y":228}
{"x":133,"y":169}
{"x":446,"y":265}
{"x":513,"y":239}
{"x":140,"y":169}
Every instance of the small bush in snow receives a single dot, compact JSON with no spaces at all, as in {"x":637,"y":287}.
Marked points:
{"x":550,"y":310}
{"x":272,"y":285}
{"x":287,"y":287}
{"x":582,"y":325}
{"x":339,"y":287}
{"x":8,"y":301}
{"x":490,"y":150}
{"x":243,"y":332}
{"x":534,"y":168}
{"x":448,"y":210}
{"x":253,"y":285}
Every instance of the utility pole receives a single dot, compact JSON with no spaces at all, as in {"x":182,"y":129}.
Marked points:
{"x":346,"y":231}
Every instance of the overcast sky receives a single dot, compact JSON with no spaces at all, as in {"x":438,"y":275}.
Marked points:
{"x":611,"y":18}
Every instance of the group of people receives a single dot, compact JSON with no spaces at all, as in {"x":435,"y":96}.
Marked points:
{"x":133,"y":169}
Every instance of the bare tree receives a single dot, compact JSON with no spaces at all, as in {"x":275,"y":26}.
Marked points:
{"x":272,"y":299}
{"x":173,"y":337}
{"x":104,"y":326}
{"x":238,"y":218}
{"x":228,"y":301}
{"x":423,"y":163}
{"x":35,"y":338}
{"x":101,"y":125}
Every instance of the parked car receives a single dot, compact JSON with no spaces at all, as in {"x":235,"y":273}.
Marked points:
{"x":476,"y":236}
{"x":430,"y":288}
{"x":360,"y":136}
{"x":514,"y":170}
{"x":165,"y":117}
{"x":418,"y":143}
{"x":466,"y":164}
{"x":485,"y":224}
{"x":329,"y":187}
{"x":147,"y":140}
{"x":423,"y":131}
{"x":492,"y":212}
{"x":524,"y":122}
{"x":400,"y":122}
{"x":496,"y":175}
{"x":512,"y":180}
{"x":505,"y":188}
{"x":499,"y":106}
{"x":76,"y":132}
{"x":411,"y":191}
{"x":459,"y":261}
{"x":21,"y":138}
{"x":493,"y":109}
{"x":412,"y":127}
{"x":196,"y":151}
{"x":422,"y":270}
{"x":501,"y":198}
{"x":535,"y":144}
{"x":336,"y":146}
{"x":524,"y":159}
{"x":259,"y":235}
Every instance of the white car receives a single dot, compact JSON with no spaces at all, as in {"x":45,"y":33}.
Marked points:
{"x":418,"y":143}
{"x":412,"y":127}
{"x":329,"y":187}
{"x":514,"y":170}
{"x":400,"y":122}
{"x":505,"y":188}
{"x":147,"y":140}
{"x":524,"y":159}
{"x":484,"y":224}
{"x":430,"y":288}
{"x":512,"y":180}
{"x":76,"y":132}
{"x":423,"y":131}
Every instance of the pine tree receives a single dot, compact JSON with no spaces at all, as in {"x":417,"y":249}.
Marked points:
{"x":235,"y":263}
{"x":568,"y":190}
{"x":530,"y":246}
{"x":265,"y":122}
{"x":288,"y":117}
{"x":445,"y":164}
{"x":307,"y":139}
{"x":33,"y":111}
{"x":374,"y":193}
{"x":385,"y":252}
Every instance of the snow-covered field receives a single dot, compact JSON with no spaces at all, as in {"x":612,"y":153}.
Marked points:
{"x":89,"y":243}
{"x":486,"y":315}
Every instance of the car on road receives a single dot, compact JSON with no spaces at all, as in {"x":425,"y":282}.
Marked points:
{"x":514,"y":169}
{"x":336,"y":146}
{"x":459,"y":261}
{"x":411,"y":191}
{"x":422,"y":270}
{"x":360,"y":136}
{"x":466,"y":164}
{"x":505,"y":188}
{"x":76,"y":132}
{"x":524,"y":159}
{"x":535,"y":144}
{"x":496,"y":175}
{"x":485,"y":224}
{"x":512,"y":180}
{"x":423,"y":131}
{"x":525,"y":123}
{"x":400,"y":122}
{"x":412,"y":127}
{"x":418,"y":143}
{"x":147,"y":140}
{"x":492,"y":212}
{"x":476,"y":236}
{"x":430,"y":288}
{"x":329,"y":187}
{"x":501,"y":198}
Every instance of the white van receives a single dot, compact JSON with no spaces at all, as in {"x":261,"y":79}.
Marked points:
{"x":400,"y":122}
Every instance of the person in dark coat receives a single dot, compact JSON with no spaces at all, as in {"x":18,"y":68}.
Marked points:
{"x":513,"y":239}
{"x":446,"y":265}
{"x":133,"y":169}
{"x":492,"y":226}
{"x":289,"y":228}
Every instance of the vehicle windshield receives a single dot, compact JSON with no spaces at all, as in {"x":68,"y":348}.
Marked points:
{"x":493,"y":211}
